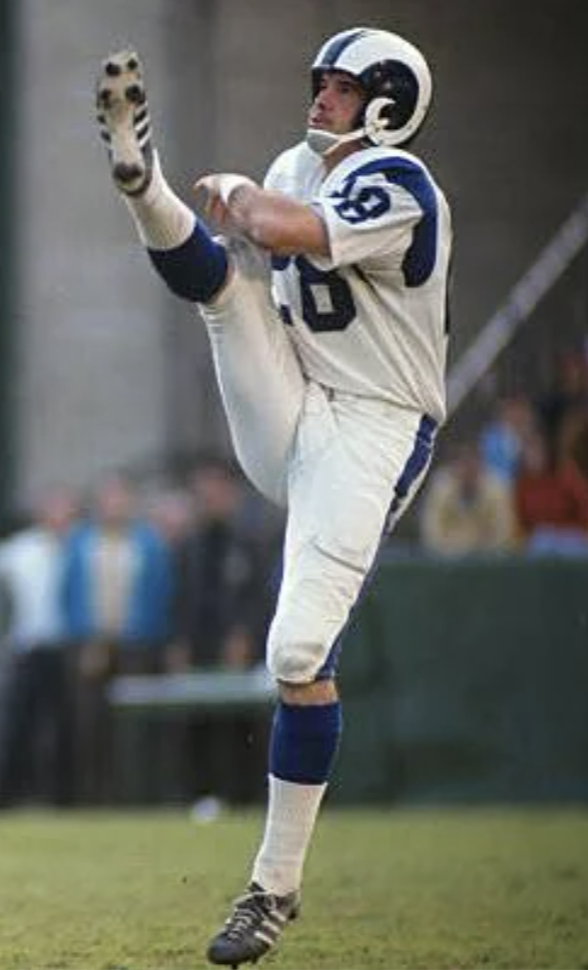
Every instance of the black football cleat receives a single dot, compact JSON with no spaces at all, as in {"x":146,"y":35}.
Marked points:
{"x":123,"y":117}
{"x":254,"y":926}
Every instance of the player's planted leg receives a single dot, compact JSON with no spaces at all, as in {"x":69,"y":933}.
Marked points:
{"x":304,"y":741}
{"x":254,"y":926}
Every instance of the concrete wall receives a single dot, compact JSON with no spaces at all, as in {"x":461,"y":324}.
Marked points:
{"x":89,"y":336}
{"x":111,"y":369}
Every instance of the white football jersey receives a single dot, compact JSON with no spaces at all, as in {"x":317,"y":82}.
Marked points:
{"x":372,"y":319}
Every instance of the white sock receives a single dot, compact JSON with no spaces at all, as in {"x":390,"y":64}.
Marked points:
{"x":291,"y":816}
{"x":162,"y":219}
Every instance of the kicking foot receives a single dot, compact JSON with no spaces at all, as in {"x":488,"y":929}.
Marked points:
{"x":125,"y":126}
{"x":254,"y":926}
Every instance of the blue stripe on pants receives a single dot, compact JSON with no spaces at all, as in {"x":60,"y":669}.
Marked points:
{"x":416,"y":463}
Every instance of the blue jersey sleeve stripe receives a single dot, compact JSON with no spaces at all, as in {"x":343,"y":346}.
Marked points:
{"x":419,"y":259}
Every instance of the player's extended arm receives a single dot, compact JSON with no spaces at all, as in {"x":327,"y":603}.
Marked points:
{"x":269,"y":219}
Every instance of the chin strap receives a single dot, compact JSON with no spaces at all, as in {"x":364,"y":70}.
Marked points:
{"x":376,"y":128}
{"x":325,"y":142}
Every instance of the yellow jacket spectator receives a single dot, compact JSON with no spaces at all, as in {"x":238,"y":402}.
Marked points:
{"x":467,"y":509}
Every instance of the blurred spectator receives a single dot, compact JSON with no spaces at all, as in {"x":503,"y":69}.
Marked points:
{"x":36,"y":753}
{"x":219,"y":617}
{"x":466,"y":509}
{"x":503,"y":437}
{"x":171,"y":512}
{"x":564,"y":411}
{"x":117,"y":586}
{"x":218,"y":602}
{"x":551,"y":501}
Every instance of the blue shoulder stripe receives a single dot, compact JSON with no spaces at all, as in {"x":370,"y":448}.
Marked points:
{"x":419,"y":260}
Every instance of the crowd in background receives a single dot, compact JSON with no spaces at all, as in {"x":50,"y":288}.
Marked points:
{"x":184,"y":578}
{"x":124,"y":584}
{"x":520,"y":484}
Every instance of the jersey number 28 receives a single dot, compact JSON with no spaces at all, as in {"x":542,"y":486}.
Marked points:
{"x":326,"y":298}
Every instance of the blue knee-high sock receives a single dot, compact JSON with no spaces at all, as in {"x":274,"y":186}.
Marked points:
{"x":304,"y":742}
{"x":195,"y":270}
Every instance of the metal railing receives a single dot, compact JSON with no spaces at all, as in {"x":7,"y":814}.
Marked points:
{"x":500,"y":329}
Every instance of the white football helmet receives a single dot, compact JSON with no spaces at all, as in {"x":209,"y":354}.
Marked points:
{"x":395,"y":77}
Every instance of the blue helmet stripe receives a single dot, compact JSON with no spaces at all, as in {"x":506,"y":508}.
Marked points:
{"x":339,"y":44}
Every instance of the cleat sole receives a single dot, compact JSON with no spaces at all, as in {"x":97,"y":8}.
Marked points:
{"x":121,"y":103}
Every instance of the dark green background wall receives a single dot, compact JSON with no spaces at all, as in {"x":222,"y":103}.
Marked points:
{"x":462,"y":682}
{"x":468,"y":681}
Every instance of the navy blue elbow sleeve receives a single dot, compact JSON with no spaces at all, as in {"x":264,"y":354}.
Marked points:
{"x":196,"y":270}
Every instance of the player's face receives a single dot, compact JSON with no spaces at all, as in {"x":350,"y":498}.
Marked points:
{"x":337,"y":104}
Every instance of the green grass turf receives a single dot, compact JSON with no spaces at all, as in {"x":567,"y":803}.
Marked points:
{"x":444,"y":889}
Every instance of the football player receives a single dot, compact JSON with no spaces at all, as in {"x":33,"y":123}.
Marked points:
{"x":332,"y":377}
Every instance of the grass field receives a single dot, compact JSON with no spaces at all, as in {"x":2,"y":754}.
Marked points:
{"x":444,"y":889}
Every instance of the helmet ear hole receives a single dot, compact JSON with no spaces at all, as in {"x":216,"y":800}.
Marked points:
{"x":379,"y":121}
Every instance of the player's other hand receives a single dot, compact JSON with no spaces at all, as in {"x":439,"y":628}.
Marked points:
{"x":215,"y":209}
{"x":218,"y":189}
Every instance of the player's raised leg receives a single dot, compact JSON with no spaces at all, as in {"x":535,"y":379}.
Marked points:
{"x":258,"y":373}
{"x":123,"y":115}
{"x":182,"y":250}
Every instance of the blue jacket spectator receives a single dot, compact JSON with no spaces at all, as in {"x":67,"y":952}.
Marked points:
{"x":145,"y":611}
{"x":117,"y":588}
{"x":503,"y":438}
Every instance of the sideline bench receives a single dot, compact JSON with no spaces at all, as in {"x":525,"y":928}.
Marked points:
{"x":145,"y":708}
{"x":192,"y":691}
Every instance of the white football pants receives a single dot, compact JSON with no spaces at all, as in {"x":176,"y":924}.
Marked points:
{"x":345,"y":468}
